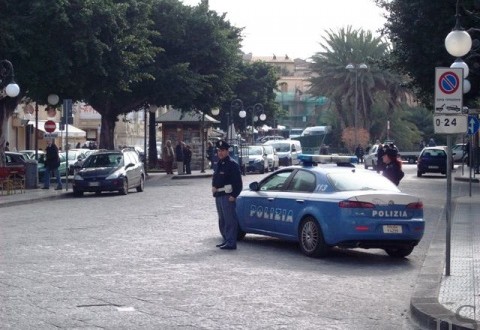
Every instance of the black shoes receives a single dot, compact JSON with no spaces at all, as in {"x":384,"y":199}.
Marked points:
{"x":227,"y":247}
{"x":221,"y":244}
{"x":46,"y":188}
{"x":58,"y":188}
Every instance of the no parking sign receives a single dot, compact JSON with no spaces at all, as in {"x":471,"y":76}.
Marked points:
{"x":448,"y":118}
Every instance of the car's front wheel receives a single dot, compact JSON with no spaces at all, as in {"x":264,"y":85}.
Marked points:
{"x":311,"y":238}
{"x":141,"y":185}
{"x":124,"y":189}
{"x":399,"y":252}
{"x":419,"y":174}
{"x":77,"y":193}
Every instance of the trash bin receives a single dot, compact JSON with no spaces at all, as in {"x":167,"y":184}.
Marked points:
{"x":31,"y":174}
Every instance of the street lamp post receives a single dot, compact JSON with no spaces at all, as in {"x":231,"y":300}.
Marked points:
{"x":257,"y":113}
{"x":458,"y":43}
{"x":236,"y":105}
{"x":355,"y":68}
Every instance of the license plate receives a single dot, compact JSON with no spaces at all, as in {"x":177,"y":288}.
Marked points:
{"x":392,"y":229}
{"x":433,"y":167}
{"x":94,"y":184}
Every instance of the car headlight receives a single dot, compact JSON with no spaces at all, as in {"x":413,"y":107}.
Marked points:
{"x":78,"y":177}
{"x":114,"y":175}
{"x":258,"y":160}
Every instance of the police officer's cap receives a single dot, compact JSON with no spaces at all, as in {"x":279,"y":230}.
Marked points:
{"x":222,"y":145}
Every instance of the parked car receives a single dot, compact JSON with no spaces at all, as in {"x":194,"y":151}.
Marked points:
{"x":458,"y":152}
{"x":339,"y":207}
{"x":15,"y":160}
{"x":287,"y":151}
{"x":273,"y":160}
{"x":257,"y":159}
{"x":74,"y":155}
{"x":110,"y":170}
{"x":264,"y":139}
{"x":432,"y":160}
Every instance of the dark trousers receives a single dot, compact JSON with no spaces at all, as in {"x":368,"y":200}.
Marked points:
{"x":188,"y":169}
{"x":227,"y":220}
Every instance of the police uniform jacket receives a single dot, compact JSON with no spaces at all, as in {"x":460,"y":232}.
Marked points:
{"x":227,"y":173}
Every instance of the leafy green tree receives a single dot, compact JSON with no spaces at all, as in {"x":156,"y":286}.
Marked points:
{"x":333,"y":80}
{"x":256,"y":84}
{"x":82,"y":50}
{"x":417,"y":29}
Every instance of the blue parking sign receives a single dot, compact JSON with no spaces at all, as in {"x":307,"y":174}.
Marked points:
{"x":472,"y":125}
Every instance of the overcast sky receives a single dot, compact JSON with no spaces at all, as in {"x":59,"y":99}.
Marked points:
{"x":294,"y":27}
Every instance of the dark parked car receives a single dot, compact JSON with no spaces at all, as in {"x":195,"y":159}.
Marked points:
{"x":432,"y":160}
{"x":15,"y":160}
{"x":110,"y":170}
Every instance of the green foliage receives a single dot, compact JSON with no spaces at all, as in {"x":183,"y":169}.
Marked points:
{"x":417,"y":29}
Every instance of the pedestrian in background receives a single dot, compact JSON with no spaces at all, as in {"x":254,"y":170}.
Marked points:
{"x":52,"y":163}
{"x":226,"y":186}
{"x":210,"y":153}
{"x":167,"y":156}
{"x":393,"y":166}
{"x":187,"y":158}
{"x":380,"y":153}
{"x":179,"y":157}
{"x":7,"y":146}
{"x":359,"y":153}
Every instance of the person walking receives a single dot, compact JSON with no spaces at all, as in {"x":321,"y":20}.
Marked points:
{"x":187,"y":158}
{"x":359,"y":153}
{"x":393,"y":166}
{"x":179,"y":157}
{"x":52,"y":163}
{"x":226,"y":186}
{"x":167,"y":156}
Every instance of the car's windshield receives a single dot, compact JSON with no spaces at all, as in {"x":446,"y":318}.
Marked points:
{"x":104,"y":160}
{"x":255,"y":151}
{"x":268,"y":150}
{"x":349,"y":181}
{"x":281,"y":147}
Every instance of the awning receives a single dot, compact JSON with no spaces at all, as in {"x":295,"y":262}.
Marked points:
{"x":72,"y":130}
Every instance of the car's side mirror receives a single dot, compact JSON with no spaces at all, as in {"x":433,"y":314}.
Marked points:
{"x":254,"y":186}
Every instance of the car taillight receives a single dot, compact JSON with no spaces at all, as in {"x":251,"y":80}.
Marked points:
{"x":415,"y":206}
{"x":355,"y":205}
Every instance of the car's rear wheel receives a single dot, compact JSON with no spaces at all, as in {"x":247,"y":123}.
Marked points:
{"x":399,"y":252}
{"x":124,"y":189}
{"x":141,"y":186}
{"x":311,"y":239}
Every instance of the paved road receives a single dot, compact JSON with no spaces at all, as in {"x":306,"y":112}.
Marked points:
{"x":148,"y":260}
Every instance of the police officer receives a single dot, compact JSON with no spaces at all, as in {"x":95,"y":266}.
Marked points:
{"x":226,"y":186}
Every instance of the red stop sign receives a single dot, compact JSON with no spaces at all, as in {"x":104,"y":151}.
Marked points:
{"x":50,"y":126}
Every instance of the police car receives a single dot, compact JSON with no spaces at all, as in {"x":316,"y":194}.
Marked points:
{"x":322,"y":206}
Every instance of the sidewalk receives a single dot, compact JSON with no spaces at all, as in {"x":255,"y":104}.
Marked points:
{"x":452,"y":302}
{"x":34,"y":195}
{"x":438,"y":301}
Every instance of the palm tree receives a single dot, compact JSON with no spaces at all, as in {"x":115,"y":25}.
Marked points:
{"x":333,"y":80}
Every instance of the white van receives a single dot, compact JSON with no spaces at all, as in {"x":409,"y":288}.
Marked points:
{"x":287,"y":151}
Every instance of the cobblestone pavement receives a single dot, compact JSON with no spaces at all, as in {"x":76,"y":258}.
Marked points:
{"x":438,"y":301}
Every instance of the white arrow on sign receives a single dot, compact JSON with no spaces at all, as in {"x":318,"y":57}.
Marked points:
{"x":472,"y":125}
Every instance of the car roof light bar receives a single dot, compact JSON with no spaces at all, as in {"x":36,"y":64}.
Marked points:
{"x":310,"y":160}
